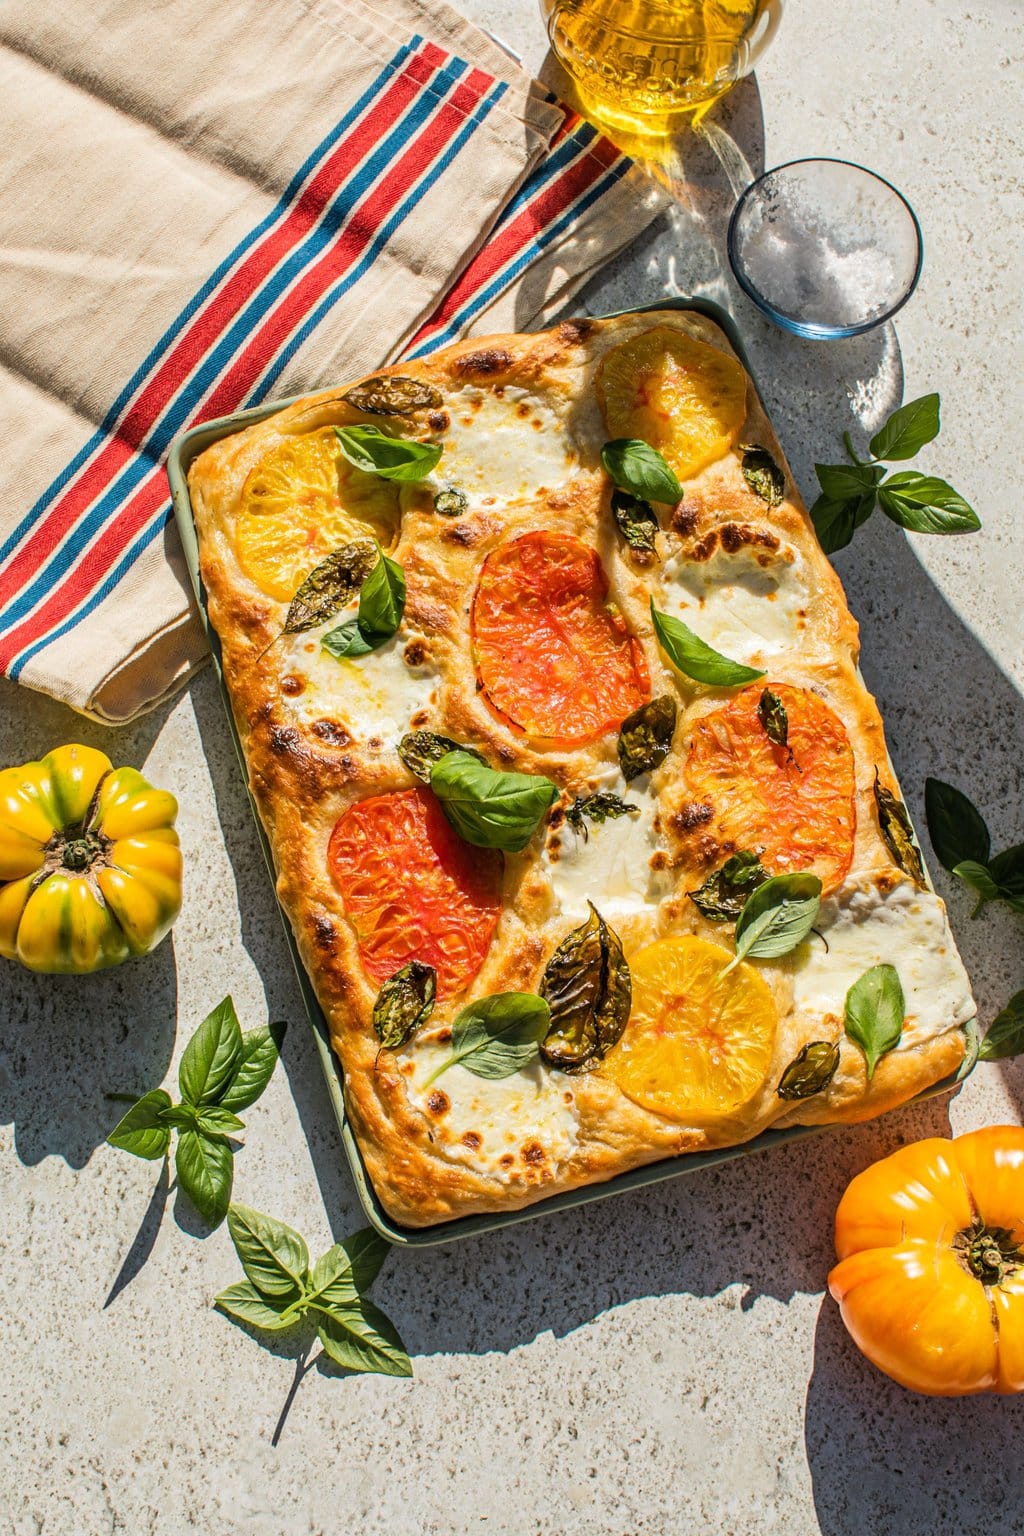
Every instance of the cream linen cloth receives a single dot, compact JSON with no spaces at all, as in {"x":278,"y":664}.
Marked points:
{"x":204,"y":206}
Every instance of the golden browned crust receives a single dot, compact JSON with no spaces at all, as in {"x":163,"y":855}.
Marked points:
{"x":309,"y":760}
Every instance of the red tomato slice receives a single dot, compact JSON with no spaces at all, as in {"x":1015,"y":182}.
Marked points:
{"x":413,"y":890}
{"x":553,"y":656}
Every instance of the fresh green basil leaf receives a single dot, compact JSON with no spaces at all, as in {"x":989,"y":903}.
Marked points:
{"x":451,"y":502}
{"x":1005,"y":1037}
{"x":211,"y":1056}
{"x":215,"y":1120}
{"x":349,"y":640}
{"x":261,"y":1049}
{"x":275,"y":1258}
{"x":329,"y":586}
{"x":420,"y":750}
{"x":360,"y":1338}
{"x":636,"y":521}
{"x":404,"y":1003}
{"x":836,"y":522}
{"x":205,"y":1168}
{"x":347,"y":1269}
{"x":810,"y":1071}
{"x":956,"y":827}
{"x":777,"y":917}
{"x":774,"y":721}
{"x":588,"y":988}
{"x":692,"y":656}
{"x":724,"y":894}
{"x":382,"y":598}
{"x":762,"y":474}
{"x":925,"y":504}
{"x":244,"y":1302}
{"x":875,"y":1010}
{"x":1007,"y":870}
{"x":143,"y":1131}
{"x":180,"y":1117}
{"x":898,"y":834}
{"x":393,"y":395}
{"x":645,"y":737}
{"x":496,"y":1036}
{"x":845,"y":482}
{"x":907,"y":430}
{"x":635,"y":466}
{"x":979,"y":877}
{"x":603,"y":806}
{"x":490,"y":809}
{"x":392,"y":458}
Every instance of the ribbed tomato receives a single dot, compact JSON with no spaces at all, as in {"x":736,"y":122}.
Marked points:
{"x":413,"y":890}
{"x":553,"y":655}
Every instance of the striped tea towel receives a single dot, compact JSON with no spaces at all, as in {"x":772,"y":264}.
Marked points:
{"x":206,"y":206}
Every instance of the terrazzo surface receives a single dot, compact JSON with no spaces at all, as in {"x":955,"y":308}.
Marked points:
{"x":664,"y":1362}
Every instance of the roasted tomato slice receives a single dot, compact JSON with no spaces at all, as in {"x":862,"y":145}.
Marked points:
{"x":794,"y":803}
{"x":413,"y":890}
{"x":553,"y":655}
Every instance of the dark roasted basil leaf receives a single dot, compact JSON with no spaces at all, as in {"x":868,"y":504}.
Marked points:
{"x":762,"y":474}
{"x":587,"y":986}
{"x":496,"y":1036}
{"x":836,"y":522}
{"x":487,"y":808}
{"x":875,"y":1010}
{"x":420,"y":750}
{"x":393,"y":395}
{"x":724,"y":894}
{"x":645,"y":736}
{"x":897,"y":832}
{"x":450,"y":502}
{"x":604,"y":806}
{"x":841,"y":482}
{"x":1005,"y":1035}
{"x":810,"y":1071}
{"x":925,"y":504}
{"x":404,"y":1003}
{"x":774,"y":720}
{"x":907,"y":430}
{"x":695,"y":658}
{"x":955,"y":825}
{"x":392,"y":458}
{"x":635,"y":466}
{"x":635,"y":520}
{"x":777,"y":917}
{"x":330,"y":585}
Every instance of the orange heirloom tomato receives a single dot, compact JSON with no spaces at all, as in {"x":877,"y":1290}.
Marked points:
{"x":931,"y":1275}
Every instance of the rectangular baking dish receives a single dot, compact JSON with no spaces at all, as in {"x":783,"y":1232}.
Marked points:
{"x":183,"y":451}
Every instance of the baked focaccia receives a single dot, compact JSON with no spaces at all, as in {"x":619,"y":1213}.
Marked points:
{"x":664,"y":782}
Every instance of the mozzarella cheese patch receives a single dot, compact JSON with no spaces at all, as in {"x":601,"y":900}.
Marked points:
{"x":518,"y":1127}
{"x":611,"y":866}
{"x":747,"y":611}
{"x":502,"y":448}
{"x":908,"y":929}
{"x":374,"y":697}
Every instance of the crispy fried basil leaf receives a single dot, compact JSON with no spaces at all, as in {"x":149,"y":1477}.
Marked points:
{"x":645,"y":736}
{"x":635,"y":466}
{"x":875,"y":1010}
{"x":404,"y":1003}
{"x":1005,"y":1035}
{"x":635,"y":520}
{"x":774,"y":721}
{"x":587,"y":986}
{"x":420,"y":750}
{"x":329,"y":585}
{"x":392,"y":458}
{"x":724,"y":894}
{"x":695,"y":658}
{"x":762,"y":474}
{"x":604,"y":806}
{"x":777,"y":917}
{"x":487,"y":808}
{"x":810,"y":1071}
{"x":451,"y":502}
{"x":897,"y":832}
{"x":393,"y":395}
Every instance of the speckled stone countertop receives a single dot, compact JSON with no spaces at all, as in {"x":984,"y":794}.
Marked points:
{"x":664,"y":1362}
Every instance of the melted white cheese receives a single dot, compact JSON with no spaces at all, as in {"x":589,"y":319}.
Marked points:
{"x":502,"y":448}
{"x":518,"y":1128}
{"x":907,"y":929}
{"x":611,"y":867}
{"x":747,"y":611}
{"x":374,"y":696}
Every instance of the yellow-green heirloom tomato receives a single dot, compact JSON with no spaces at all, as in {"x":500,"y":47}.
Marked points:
{"x":90,"y":867}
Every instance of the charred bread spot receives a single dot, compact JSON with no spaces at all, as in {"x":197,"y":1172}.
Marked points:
{"x":705,"y":548}
{"x":685,"y":517}
{"x":506,"y":1160}
{"x":420,"y":719}
{"x":523,"y":408}
{"x":331,"y":732}
{"x":506,"y":753}
{"x":375,"y":744}
{"x":284,"y":739}
{"x":574,"y":332}
{"x":292,"y":685}
{"x":443,"y":1036}
{"x":887,"y":881}
{"x":658,"y":860}
{"x":483,"y":364}
{"x":558,"y":501}
{"x":696,"y":813}
{"x":438,"y":421}
{"x":557,"y":816}
{"x":438,"y":1102}
{"x":325,"y":934}
{"x":532,"y":1154}
{"x":735,"y":535}
{"x":473,"y":1140}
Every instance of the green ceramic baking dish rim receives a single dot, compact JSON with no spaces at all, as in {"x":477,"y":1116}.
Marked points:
{"x":183,"y":451}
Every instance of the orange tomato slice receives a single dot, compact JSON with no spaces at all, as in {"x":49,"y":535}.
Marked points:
{"x":413,"y":890}
{"x":799,"y":811}
{"x":683,"y":397}
{"x":553,"y":655}
{"x":698,"y":1043}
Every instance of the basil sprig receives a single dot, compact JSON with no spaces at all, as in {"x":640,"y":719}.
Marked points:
{"x":777,"y":917}
{"x":487,"y":808}
{"x":222,"y":1071}
{"x":496,"y":1036}
{"x":1005,"y":1035}
{"x":962,"y":842}
{"x":635,"y":466}
{"x":921,"y":503}
{"x":694,"y":657}
{"x":875,"y":1010}
{"x":391,"y":458}
{"x":281,"y":1288}
{"x":381,"y":605}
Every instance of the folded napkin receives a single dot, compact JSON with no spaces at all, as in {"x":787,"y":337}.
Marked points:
{"x":203,"y":207}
